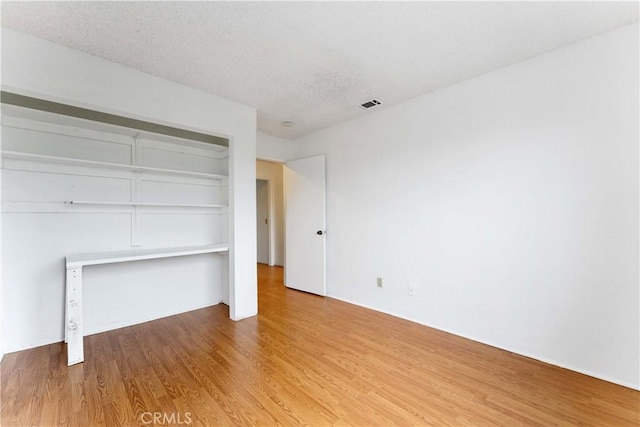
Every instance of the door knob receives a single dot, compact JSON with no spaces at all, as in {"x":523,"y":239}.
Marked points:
{"x":319,"y":232}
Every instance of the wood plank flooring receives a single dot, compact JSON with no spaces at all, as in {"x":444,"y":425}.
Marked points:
{"x":304,"y":360}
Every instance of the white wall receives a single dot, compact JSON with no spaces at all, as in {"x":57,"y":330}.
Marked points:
{"x":275,"y":174}
{"x":35,"y":67}
{"x":272,"y":148}
{"x":2,"y":351}
{"x":511,"y":202}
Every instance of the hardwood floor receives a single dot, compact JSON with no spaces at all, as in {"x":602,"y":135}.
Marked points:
{"x":304,"y":360}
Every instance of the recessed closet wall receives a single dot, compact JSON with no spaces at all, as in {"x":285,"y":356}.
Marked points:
{"x":41,"y":69}
{"x":73,"y":186}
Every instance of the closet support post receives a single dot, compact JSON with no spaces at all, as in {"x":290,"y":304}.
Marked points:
{"x":74,"y":335}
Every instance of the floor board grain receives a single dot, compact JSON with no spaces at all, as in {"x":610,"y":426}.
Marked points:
{"x":304,"y":360}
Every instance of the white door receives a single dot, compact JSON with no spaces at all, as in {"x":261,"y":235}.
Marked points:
{"x":305,"y":225}
{"x":262,"y":220}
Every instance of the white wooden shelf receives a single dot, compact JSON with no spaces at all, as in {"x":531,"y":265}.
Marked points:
{"x":159,"y":205}
{"x":80,"y":260}
{"x":116,"y":166}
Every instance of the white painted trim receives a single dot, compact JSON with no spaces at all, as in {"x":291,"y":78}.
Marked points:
{"x":489,"y":343}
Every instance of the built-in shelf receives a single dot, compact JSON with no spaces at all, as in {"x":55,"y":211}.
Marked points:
{"x":74,"y":316}
{"x":80,"y":260}
{"x":116,"y":166}
{"x":159,"y":205}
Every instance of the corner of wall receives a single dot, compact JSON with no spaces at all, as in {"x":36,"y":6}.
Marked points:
{"x":466,"y":189}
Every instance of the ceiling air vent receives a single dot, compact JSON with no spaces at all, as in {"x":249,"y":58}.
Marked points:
{"x":369,"y":104}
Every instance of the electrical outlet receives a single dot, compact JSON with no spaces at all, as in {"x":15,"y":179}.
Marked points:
{"x":412,"y":290}
{"x":379,"y":281}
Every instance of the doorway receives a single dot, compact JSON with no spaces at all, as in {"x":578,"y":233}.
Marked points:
{"x":263,"y":221}
{"x":295,"y":233}
{"x":272,"y":236}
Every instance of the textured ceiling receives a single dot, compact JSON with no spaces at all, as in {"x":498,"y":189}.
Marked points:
{"x":313,"y":63}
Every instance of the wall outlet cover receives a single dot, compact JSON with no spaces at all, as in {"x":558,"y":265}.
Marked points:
{"x":412,"y":290}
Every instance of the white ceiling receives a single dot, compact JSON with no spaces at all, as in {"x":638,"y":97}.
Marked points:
{"x":313,"y":63}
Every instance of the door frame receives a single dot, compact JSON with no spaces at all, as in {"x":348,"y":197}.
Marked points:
{"x":271,"y":251}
